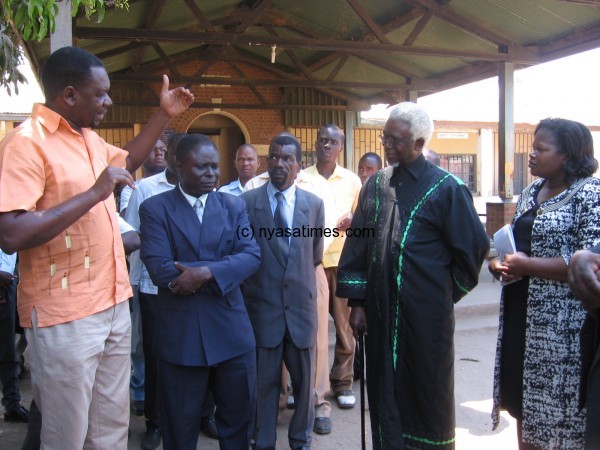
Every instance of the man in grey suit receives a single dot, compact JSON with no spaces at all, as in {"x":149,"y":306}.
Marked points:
{"x":281,"y":296}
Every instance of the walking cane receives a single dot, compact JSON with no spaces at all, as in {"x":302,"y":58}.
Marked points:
{"x":361,"y":363}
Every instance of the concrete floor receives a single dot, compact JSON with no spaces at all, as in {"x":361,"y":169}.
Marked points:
{"x":475,"y":340}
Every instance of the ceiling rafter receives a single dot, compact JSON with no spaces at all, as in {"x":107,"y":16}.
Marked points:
{"x":149,"y":22}
{"x":242,"y":75}
{"x":338,"y":67}
{"x":199,"y":15}
{"x":397,"y":22}
{"x":418,"y":29}
{"x":345,"y":96}
{"x":139,"y":77}
{"x":287,"y":42}
{"x":447,"y":13}
{"x":172,"y":67}
{"x":255,"y":13}
{"x":116,"y":51}
{"x":206,"y":105}
{"x":368,"y":20}
{"x":249,"y":19}
{"x":305,"y":70}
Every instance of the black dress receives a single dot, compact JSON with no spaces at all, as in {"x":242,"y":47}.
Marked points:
{"x":515,"y":318}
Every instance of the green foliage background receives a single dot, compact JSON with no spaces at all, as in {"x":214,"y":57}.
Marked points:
{"x":32,"y":20}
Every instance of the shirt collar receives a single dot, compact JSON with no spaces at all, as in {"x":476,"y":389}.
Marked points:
{"x":312,"y":170}
{"x":192,"y":200}
{"x":287,"y":194}
{"x":415,"y":169}
{"x":49,"y":118}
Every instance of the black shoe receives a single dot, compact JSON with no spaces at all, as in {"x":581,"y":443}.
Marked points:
{"x":151,"y":439}
{"x":209,"y":428}
{"x":322,"y":425}
{"x":137,"y":407}
{"x":17,"y":414}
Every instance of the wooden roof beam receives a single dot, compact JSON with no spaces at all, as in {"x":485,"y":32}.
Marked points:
{"x":149,"y":22}
{"x":368,"y":20}
{"x":305,"y":70}
{"x":281,"y":106}
{"x":255,"y":13}
{"x":418,"y":29}
{"x":140,"y":77}
{"x":446,"y":13}
{"x":165,"y":58}
{"x":120,"y":50}
{"x":199,"y":15}
{"x":244,"y":40}
{"x":242,"y":75}
{"x":249,"y":19}
{"x":337,"y":68}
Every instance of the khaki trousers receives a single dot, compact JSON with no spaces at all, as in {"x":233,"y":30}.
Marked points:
{"x":80,"y":378}
{"x":342,"y":370}
{"x":322,"y":386}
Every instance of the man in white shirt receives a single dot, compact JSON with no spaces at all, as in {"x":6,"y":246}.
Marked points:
{"x":246,"y":164}
{"x":155,"y":163}
{"x":141,"y":308}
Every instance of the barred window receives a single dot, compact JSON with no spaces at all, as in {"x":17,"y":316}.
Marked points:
{"x":461,"y":166}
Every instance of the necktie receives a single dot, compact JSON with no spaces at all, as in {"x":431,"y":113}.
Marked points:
{"x":281,"y":224}
{"x":199,"y":209}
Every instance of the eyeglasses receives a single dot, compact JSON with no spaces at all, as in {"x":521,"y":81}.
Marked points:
{"x":393,"y":141}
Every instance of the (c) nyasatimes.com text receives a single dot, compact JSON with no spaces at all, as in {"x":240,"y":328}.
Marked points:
{"x":302,"y":232}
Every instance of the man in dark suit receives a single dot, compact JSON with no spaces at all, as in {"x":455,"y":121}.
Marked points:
{"x":202,"y":336}
{"x":281,"y":296}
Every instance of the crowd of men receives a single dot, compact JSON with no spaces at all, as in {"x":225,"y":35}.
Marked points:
{"x":222,"y":312}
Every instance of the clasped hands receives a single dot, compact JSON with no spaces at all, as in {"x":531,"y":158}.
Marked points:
{"x":510,"y":269}
{"x":190,"y":280}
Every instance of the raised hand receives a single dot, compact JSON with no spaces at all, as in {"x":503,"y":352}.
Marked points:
{"x":173,"y":102}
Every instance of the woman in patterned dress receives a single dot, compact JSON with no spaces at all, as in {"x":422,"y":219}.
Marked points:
{"x":538,"y":370}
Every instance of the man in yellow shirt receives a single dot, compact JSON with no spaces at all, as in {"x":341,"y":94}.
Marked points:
{"x":339,"y":190}
{"x":57,"y":210}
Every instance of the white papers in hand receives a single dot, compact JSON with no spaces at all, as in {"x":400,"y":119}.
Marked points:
{"x":504,"y":241}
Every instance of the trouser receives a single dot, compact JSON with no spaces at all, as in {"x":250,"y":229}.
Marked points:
{"x":300,"y":363}
{"x":322,"y":386}
{"x":80,"y":380}
{"x":137,"y":349}
{"x":9,"y":362}
{"x":342,"y":370}
{"x":151,"y":382}
{"x":183,"y":391}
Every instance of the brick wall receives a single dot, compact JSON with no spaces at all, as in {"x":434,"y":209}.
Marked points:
{"x":260,"y":124}
{"x":498,"y":214}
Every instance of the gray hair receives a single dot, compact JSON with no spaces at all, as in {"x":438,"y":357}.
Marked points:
{"x":421,"y":125}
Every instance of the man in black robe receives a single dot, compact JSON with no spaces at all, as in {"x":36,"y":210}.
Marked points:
{"x":420,"y":249}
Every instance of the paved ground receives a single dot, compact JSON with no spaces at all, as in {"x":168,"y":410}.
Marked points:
{"x":476,"y":326}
